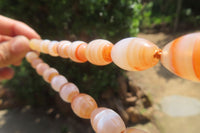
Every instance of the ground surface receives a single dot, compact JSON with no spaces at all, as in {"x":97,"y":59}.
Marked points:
{"x":176,"y":101}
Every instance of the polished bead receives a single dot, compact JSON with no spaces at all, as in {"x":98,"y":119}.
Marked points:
{"x":35,"y":62}
{"x":83,"y":105}
{"x":30,"y":56}
{"x":134,"y":130}
{"x":35,"y":44}
{"x":76,"y":51}
{"x":40,"y":68}
{"x":105,"y":120}
{"x":49,"y":74}
{"x":135,"y":54}
{"x":68,"y":91}
{"x":44,"y":46}
{"x":182,"y":56}
{"x":62,"y":48}
{"x":52,"y":48}
{"x":98,"y":52}
{"x":57,"y":82}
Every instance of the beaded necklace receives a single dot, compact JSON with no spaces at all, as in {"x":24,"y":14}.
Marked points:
{"x":181,"y":57}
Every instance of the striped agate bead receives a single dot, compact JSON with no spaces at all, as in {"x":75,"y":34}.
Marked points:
{"x":44,"y":46}
{"x":135,"y":54}
{"x":83,"y":105}
{"x":40,"y":68}
{"x":62,"y":48}
{"x":105,"y":120}
{"x":98,"y":52}
{"x":76,"y":51}
{"x":134,"y":130}
{"x":36,"y":62}
{"x":49,"y":74}
{"x":68,"y":92}
{"x":30,"y":56}
{"x":58,"y":82}
{"x":52,"y":48}
{"x":182,"y":56}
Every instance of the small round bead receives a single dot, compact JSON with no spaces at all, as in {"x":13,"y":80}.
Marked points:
{"x":76,"y":51}
{"x":105,"y":120}
{"x":98,"y":52}
{"x":52,"y":48}
{"x":134,"y":54}
{"x":35,"y":62}
{"x":30,"y":56}
{"x":83,"y":105}
{"x":62,"y":48}
{"x":40,"y":68}
{"x":57,"y":82}
{"x":182,"y":56}
{"x":44,"y":46}
{"x":134,"y":130}
{"x":68,"y":91}
{"x":35,"y":44}
{"x":49,"y":74}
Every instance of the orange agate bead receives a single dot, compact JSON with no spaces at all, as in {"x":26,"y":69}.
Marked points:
{"x":76,"y":51}
{"x":135,"y":54}
{"x":83,"y":105}
{"x":134,"y":130}
{"x":35,"y":62}
{"x":49,"y":74}
{"x":40,"y":68}
{"x":52,"y":48}
{"x":68,"y":92}
{"x":98,"y":52}
{"x":182,"y":56}
{"x":35,"y":44}
{"x":44,"y":46}
{"x":30,"y":56}
{"x":57,"y":82}
{"x":62,"y":48}
{"x":105,"y":120}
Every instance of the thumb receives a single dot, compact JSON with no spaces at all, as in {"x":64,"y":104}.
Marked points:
{"x":13,"y":50}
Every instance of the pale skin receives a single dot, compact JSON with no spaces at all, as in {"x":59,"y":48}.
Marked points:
{"x":14,"y":44}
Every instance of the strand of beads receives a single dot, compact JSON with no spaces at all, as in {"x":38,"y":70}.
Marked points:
{"x":181,"y":56}
{"x":103,"y":120}
{"x":133,"y":54}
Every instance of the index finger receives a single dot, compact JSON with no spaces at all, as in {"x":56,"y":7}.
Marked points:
{"x":10,"y":27}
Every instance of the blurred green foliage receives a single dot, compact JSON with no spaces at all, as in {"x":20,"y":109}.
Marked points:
{"x":73,"y":20}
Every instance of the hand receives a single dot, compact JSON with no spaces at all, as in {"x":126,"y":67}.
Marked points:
{"x":14,"y":44}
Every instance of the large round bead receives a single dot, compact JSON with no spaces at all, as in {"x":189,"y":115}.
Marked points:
{"x":134,"y":54}
{"x":182,"y":56}
{"x":98,"y":52}
{"x":83,"y":105}
{"x":49,"y":73}
{"x":41,"y":67}
{"x":44,"y":46}
{"x":134,"y":130}
{"x":76,"y":51}
{"x":105,"y":120}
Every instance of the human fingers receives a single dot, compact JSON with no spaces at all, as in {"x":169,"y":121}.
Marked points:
{"x":13,"y":50}
{"x":13,"y":28}
{"x":6,"y":73}
{"x":4,"y":38}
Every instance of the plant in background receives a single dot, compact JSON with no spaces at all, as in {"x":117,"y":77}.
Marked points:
{"x":72,"y":20}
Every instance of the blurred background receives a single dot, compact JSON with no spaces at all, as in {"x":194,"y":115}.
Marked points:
{"x":154,"y":100}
